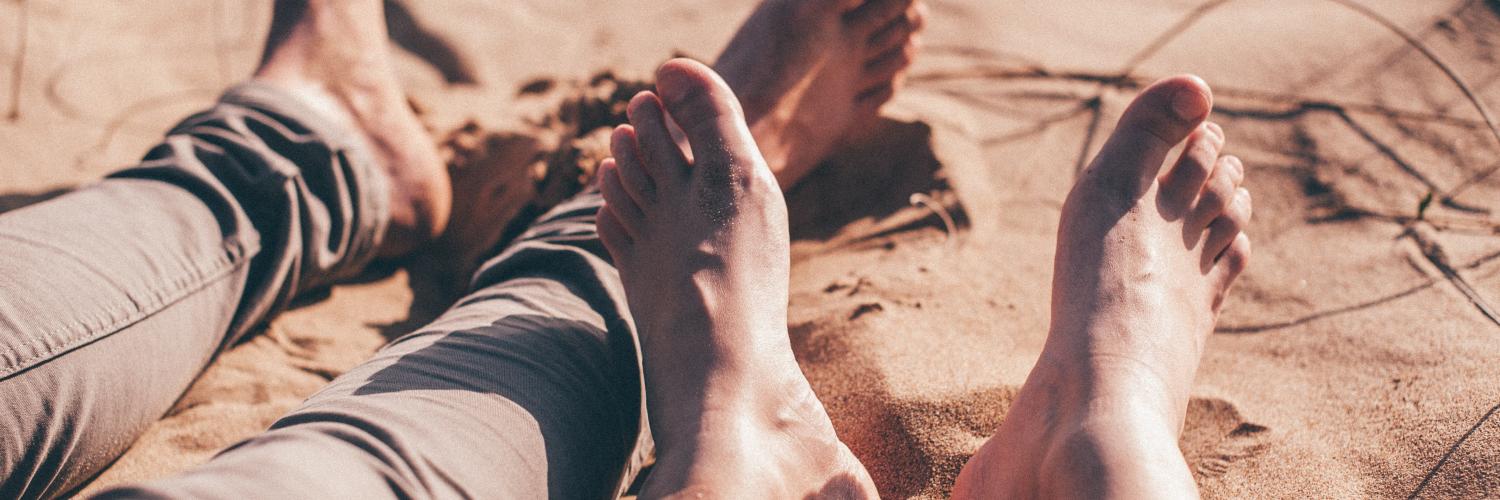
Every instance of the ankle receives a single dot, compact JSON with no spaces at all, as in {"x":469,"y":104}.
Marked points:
{"x":743,"y":458}
{"x":758,"y":433}
{"x":1096,"y":428}
{"x":1131,"y":380}
{"x":731,"y":399}
{"x":1115,"y":456}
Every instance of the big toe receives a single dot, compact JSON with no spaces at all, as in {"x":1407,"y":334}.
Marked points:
{"x":1159,"y":118}
{"x":708,"y":113}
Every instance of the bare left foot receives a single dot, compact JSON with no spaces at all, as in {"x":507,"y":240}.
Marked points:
{"x":811,"y":73}
{"x":703,"y":251}
{"x":335,"y":54}
{"x":1144,"y":261}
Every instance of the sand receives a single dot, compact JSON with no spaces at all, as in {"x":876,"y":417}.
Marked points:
{"x":1356,"y":358}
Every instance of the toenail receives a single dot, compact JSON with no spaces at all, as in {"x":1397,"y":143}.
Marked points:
{"x":1213,"y":128}
{"x":1189,"y":104}
{"x":678,"y":90}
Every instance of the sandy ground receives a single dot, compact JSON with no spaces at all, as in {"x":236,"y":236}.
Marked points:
{"x":1356,"y":359}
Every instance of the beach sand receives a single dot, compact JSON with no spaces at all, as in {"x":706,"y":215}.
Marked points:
{"x":1356,"y":358}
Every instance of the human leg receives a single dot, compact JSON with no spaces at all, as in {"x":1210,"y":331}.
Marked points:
{"x":120,"y":293}
{"x":529,"y":387}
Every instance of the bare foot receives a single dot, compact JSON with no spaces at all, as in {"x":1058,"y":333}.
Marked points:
{"x":1143,"y":263}
{"x":703,"y":250}
{"x":810,"y":73}
{"x":335,"y":54}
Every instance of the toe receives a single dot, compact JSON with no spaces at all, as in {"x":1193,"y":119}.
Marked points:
{"x":633,"y":174}
{"x":1159,"y":118}
{"x":624,"y":207}
{"x":1217,"y":131}
{"x":916,"y":15}
{"x":658,"y":152}
{"x":897,"y":32}
{"x":1223,"y":230}
{"x":868,"y":102}
{"x":1231,"y":263}
{"x":1236,"y":169}
{"x":1181,"y":185}
{"x":874,"y":14}
{"x":612,"y":234}
{"x":886,"y":66}
{"x":706,"y":109}
{"x":1217,"y":193}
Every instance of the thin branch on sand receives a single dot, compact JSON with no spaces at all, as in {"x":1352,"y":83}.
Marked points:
{"x":1126,"y":78}
{"x":1451,"y":450}
{"x":1463,"y":86}
{"x":1167,"y":36}
{"x":1433,"y":251}
{"x":1096,"y":116}
{"x":950,"y":229}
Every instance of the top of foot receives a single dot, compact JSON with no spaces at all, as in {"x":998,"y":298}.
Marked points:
{"x":1126,"y":207}
{"x":703,"y":251}
{"x":812,"y":73}
{"x":336,"y":56}
{"x":1145,"y":256}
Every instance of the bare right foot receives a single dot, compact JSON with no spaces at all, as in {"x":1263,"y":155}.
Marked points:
{"x":811,"y":73}
{"x":1143,"y":263}
{"x":335,"y":54}
{"x":703,"y":251}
